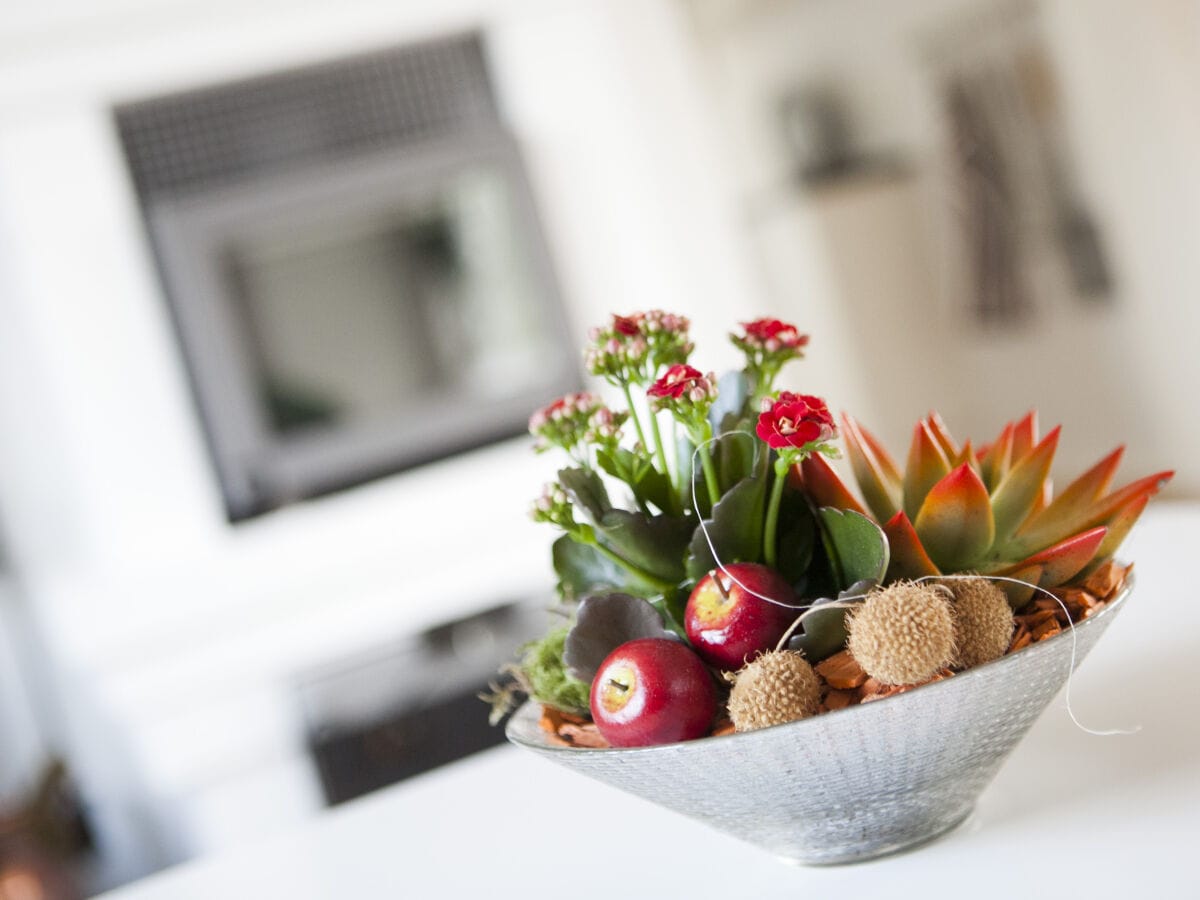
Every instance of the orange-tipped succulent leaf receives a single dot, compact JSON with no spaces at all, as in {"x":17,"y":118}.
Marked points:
{"x":927,"y":465}
{"x":955,"y":522}
{"x":877,"y":476}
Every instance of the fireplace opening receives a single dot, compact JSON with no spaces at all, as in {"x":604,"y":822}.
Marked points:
{"x":354,"y":264}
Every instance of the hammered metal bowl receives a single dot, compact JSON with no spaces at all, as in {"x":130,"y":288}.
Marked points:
{"x":853,"y":784}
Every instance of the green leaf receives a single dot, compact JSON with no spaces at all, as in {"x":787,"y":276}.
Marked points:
{"x":649,"y":485}
{"x":583,"y":569}
{"x":955,"y":522}
{"x":733,"y":390}
{"x":655,"y":544}
{"x":927,"y":465}
{"x":735,"y":529}
{"x":823,"y":634}
{"x":857,"y":547}
{"x":1014,"y":498}
{"x":797,"y":538}
{"x":587,"y":491}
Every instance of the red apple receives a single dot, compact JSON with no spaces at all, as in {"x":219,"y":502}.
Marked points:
{"x":728,"y":621}
{"x":652,"y":691}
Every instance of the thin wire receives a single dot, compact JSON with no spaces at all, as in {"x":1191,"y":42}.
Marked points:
{"x":847,"y":602}
{"x":1074,"y":647}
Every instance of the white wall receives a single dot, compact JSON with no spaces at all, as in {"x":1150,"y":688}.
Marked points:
{"x":175,"y":639}
{"x":1130,"y":80}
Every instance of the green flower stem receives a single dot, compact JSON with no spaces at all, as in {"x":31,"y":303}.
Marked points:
{"x":637,"y":422}
{"x":710,"y":475}
{"x":589,"y":537}
{"x":658,"y":444}
{"x":782,"y":464}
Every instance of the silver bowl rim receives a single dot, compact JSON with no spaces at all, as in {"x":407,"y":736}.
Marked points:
{"x":1041,"y":647}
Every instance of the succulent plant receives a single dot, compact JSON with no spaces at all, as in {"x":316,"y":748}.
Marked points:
{"x":990,"y":510}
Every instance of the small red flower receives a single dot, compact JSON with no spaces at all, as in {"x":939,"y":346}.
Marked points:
{"x":677,"y":381}
{"x":794,"y":420}
{"x":773,"y":335}
{"x":630,"y":326}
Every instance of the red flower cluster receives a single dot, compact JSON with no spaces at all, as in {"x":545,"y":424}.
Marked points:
{"x":680,"y":380}
{"x":773,"y":335}
{"x":794,"y":420}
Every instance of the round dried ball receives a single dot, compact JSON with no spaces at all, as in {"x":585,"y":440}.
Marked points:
{"x":904,"y":633}
{"x":779,"y":686}
{"x":983,"y":621}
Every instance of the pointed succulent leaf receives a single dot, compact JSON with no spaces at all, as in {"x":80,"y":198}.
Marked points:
{"x":1072,"y":504}
{"x":884,"y":459}
{"x":856,"y":546}
{"x":965,"y":455}
{"x":1078,"y":513}
{"x":1064,"y":560}
{"x":1119,"y":527}
{"x":995,"y":462}
{"x":1022,"y":587}
{"x":955,"y":521}
{"x":823,"y":486}
{"x":1025,"y":436}
{"x":877,"y":478}
{"x":937,"y":427}
{"x":1020,"y":490}
{"x":927,"y":465}
{"x":908,"y":558}
{"x":1105,"y":509}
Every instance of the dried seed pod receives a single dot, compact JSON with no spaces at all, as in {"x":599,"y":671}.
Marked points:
{"x":904,"y":633}
{"x":777,"y":687}
{"x":983,"y":621}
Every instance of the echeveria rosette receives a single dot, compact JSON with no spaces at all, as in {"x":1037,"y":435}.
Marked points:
{"x":954,"y":508}
{"x":767,"y":345}
{"x":795,"y":426}
{"x":577,"y":423}
{"x":688,"y":394}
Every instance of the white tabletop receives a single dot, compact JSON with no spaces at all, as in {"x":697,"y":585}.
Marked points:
{"x":1070,"y":814}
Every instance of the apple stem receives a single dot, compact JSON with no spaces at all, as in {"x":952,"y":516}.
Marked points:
{"x":721,"y":588}
{"x":620,"y":686}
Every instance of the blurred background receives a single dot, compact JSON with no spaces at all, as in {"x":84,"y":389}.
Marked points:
{"x":281,"y":282}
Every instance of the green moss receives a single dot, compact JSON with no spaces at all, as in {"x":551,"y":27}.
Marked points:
{"x":549,"y":683}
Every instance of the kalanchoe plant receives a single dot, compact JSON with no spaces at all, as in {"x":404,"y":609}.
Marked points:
{"x":768,"y":345}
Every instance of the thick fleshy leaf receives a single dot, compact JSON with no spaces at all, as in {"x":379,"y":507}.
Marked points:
{"x":856,"y":546}
{"x":735,"y":529}
{"x":647,"y":483}
{"x":1071,"y":506}
{"x":604,"y":622}
{"x":927,"y":465}
{"x":941,"y":434}
{"x":1048,"y":530}
{"x":1022,"y":587}
{"x":823,"y":631}
{"x":996,"y":460}
{"x":655,"y":544}
{"x":1014,"y":498}
{"x":908,"y":558}
{"x":587,"y":490}
{"x":1114,"y":502}
{"x":955,"y":521}
{"x":1064,"y":560}
{"x":1119,"y":527}
{"x":823,"y":486}
{"x":878,"y":479}
{"x":582,"y":569}
{"x":1025,"y":436}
